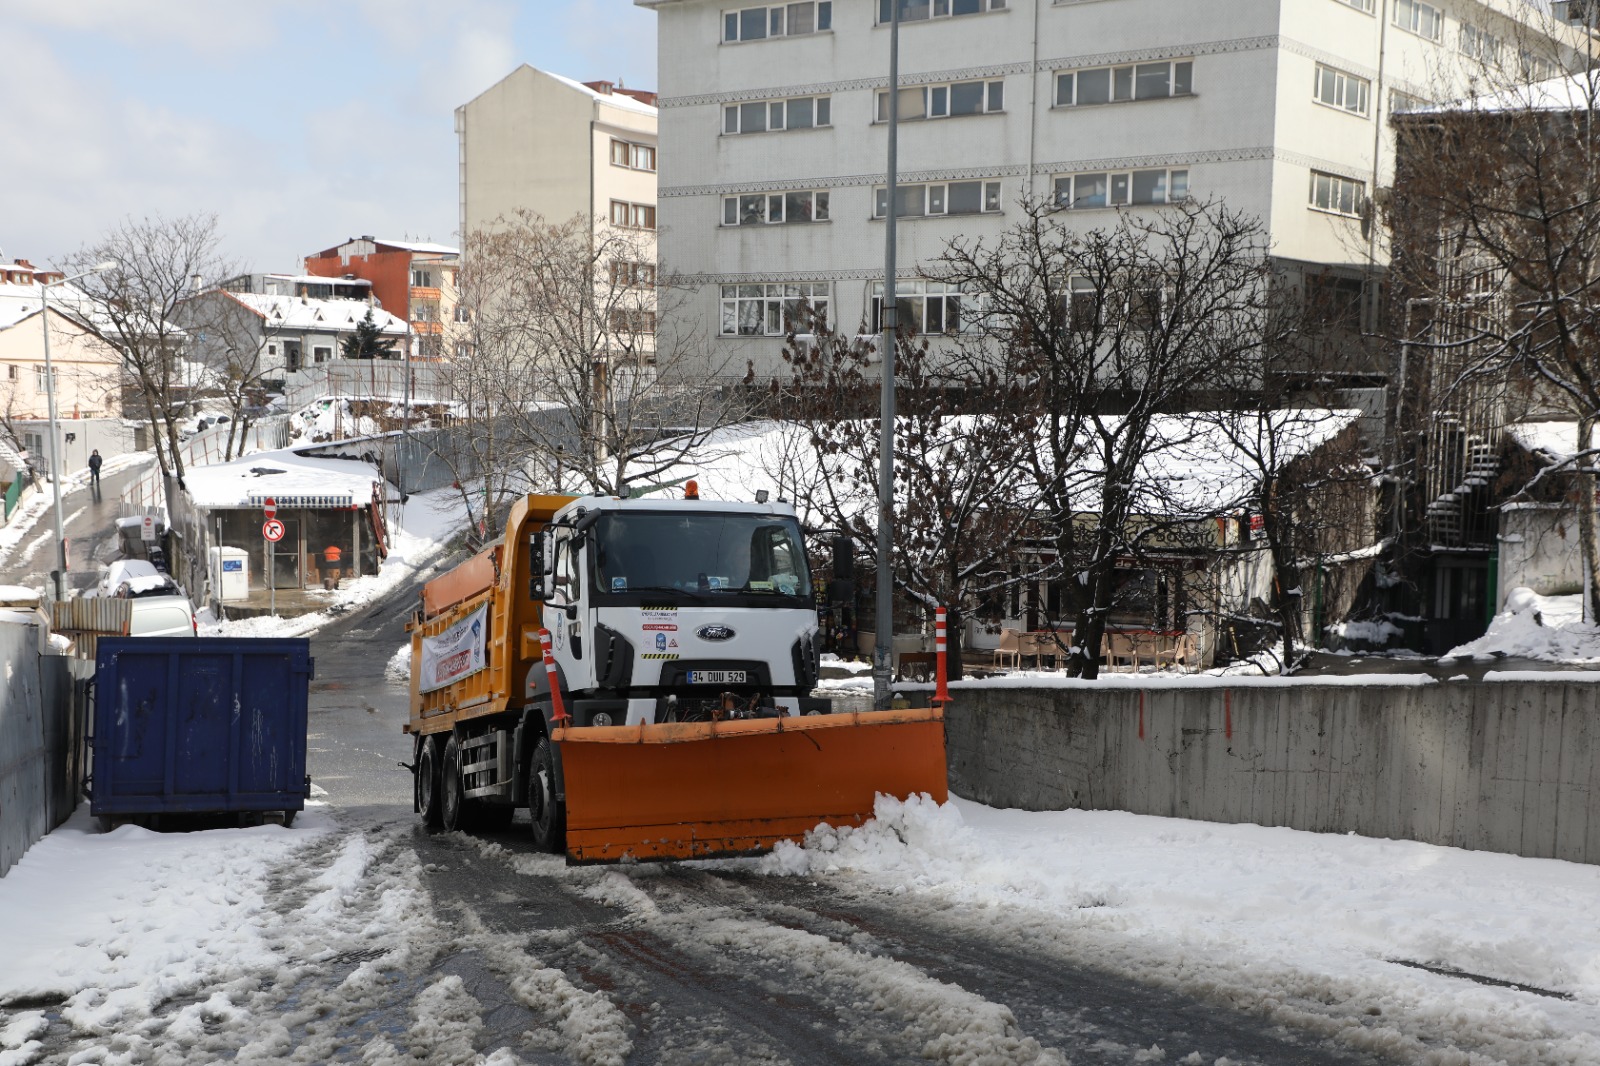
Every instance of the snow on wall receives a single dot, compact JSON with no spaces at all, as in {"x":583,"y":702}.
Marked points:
{"x":1539,"y":550}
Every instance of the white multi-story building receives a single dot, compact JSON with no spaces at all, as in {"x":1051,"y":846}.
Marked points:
{"x":774,"y":131}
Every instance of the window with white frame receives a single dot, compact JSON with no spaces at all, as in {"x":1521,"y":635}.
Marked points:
{"x":770,"y":308}
{"x":421,"y":278}
{"x":632,"y":275}
{"x":626,"y":320}
{"x":633,"y":216}
{"x":1422,"y":19}
{"x":1084,"y":306}
{"x":1479,"y":44}
{"x":777,"y":20}
{"x":920,"y":10}
{"x":1118,"y":188}
{"x":1341,"y":90}
{"x":925,"y":306}
{"x":633,"y":156}
{"x":938,"y":198}
{"x":943,"y":101}
{"x":761,"y":116}
{"x":1136,"y":81}
{"x":1535,"y":67}
{"x":1342,"y":196}
{"x":41,"y":385}
{"x":1359,"y":5}
{"x":321,"y":355}
{"x":1401,"y":101}
{"x":772,"y":208}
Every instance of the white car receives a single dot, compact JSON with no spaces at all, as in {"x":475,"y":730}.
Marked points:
{"x":132,"y":578}
{"x":162,"y":616}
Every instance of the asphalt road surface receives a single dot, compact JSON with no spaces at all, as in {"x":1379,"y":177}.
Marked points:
{"x":508,"y":955}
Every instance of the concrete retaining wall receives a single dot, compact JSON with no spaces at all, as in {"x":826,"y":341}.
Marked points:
{"x":40,"y":742}
{"x":1508,"y":766}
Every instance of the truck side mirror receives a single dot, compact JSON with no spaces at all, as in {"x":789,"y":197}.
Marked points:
{"x":538,"y":566}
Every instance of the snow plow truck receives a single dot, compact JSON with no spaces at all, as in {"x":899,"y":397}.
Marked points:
{"x":637,"y":674}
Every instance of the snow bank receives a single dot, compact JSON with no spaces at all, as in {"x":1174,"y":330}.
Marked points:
{"x":1550,"y":628}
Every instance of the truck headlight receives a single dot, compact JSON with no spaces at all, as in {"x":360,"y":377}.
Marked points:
{"x":600,"y":718}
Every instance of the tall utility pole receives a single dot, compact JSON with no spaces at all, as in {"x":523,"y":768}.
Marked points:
{"x":883,"y":648}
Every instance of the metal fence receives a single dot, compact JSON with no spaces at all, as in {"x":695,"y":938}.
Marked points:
{"x":41,"y":742}
{"x":370,"y":379}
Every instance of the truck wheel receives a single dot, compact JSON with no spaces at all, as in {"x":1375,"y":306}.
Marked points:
{"x":427,"y":782}
{"x":547,"y":813}
{"x":452,"y":798}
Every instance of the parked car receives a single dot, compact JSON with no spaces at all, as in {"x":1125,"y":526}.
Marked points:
{"x":134,"y":578}
{"x":163,"y":616}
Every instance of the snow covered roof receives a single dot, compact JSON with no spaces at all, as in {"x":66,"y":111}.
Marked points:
{"x":21,"y":301}
{"x":291,"y":479}
{"x":618,"y":100}
{"x":1554,"y":440}
{"x":419,"y":246}
{"x":1200,"y":470}
{"x":1568,"y":92}
{"x":304,"y":312}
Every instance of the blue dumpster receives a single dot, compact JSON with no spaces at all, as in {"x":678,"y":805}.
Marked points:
{"x":199,"y":725}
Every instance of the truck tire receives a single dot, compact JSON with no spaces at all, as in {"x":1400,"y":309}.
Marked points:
{"x":452,"y":792}
{"x":427,"y":781}
{"x":547,"y":814}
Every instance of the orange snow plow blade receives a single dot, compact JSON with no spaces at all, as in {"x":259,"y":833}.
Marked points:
{"x":699,"y":790}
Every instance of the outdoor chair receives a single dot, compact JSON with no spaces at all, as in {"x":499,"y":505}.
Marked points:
{"x":1179,"y":653}
{"x":1122,"y":651}
{"x":1010,"y":650}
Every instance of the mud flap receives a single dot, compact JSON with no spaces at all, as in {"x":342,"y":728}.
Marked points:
{"x":700,"y":790}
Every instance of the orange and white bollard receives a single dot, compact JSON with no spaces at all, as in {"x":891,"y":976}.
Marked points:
{"x":941,"y":691}
{"x":559,"y":715}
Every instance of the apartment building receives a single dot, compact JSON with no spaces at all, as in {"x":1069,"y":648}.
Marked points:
{"x":415,"y":280}
{"x":774,"y":119}
{"x":85,"y":366}
{"x":540,"y":142}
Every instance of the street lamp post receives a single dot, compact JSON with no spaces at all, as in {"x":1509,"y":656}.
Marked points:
{"x":55,"y":429}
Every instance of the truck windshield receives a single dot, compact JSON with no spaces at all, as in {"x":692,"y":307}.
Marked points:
{"x":700,"y":553}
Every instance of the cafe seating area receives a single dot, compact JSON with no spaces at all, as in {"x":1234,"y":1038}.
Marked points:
{"x":1126,"y":650}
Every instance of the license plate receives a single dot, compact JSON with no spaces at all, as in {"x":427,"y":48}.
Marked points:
{"x":716,"y":677}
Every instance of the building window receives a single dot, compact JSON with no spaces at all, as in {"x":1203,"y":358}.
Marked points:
{"x":767,"y":310}
{"x":944,"y":101}
{"x":1400,"y":102}
{"x":633,"y":216}
{"x":422,"y":279}
{"x":942,"y":198}
{"x":1116,"y":188}
{"x":1085,"y":306}
{"x":1333,"y":302}
{"x":1478,"y":44}
{"x":40,"y":385}
{"x":272,"y":349}
{"x":777,"y":20}
{"x":797,"y":113}
{"x":1534,"y":67}
{"x":1344,"y":91}
{"x":925,"y":306}
{"x":1139,"y":81}
{"x":919,"y":10}
{"x":321,"y":355}
{"x":11,"y":373}
{"x":633,"y":156}
{"x":1342,"y":196}
{"x":1359,"y":5}
{"x":1420,"y":18}
{"x":754,"y":209}
{"x":461,"y":314}
{"x":630,"y":275}
{"x":632,"y":320}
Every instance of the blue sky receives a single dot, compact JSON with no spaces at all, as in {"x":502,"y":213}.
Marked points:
{"x":299,"y":123}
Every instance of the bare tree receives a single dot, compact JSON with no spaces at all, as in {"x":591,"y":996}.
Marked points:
{"x":964,"y":500}
{"x":1108,"y":328}
{"x":157,"y":260}
{"x":559,"y":353}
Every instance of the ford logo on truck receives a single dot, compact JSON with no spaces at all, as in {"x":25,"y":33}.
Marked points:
{"x":714,"y":633}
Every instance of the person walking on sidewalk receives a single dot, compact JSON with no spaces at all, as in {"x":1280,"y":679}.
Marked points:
{"x":94,"y":467}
